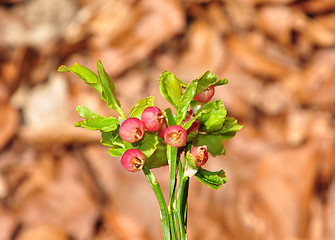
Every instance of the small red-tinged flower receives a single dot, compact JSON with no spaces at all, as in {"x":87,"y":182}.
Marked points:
{"x":133,"y":160}
{"x":206,"y":95}
{"x":161,"y":131}
{"x":132,"y":130}
{"x":200,"y":155}
{"x":195,"y":125}
{"x":175,"y":136}
{"x":153,"y":118}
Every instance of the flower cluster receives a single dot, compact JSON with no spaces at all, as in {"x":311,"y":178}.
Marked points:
{"x":152,"y":119}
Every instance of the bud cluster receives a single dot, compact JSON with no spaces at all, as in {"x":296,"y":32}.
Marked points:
{"x":152,"y":119}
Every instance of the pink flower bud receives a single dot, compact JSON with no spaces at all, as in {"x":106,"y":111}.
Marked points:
{"x":132,"y":130}
{"x":153,"y":118}
{"x":195,"y":125}
{"x":206,"y":95}
{"x":200,"y":155}
{"x":133,"y":160}
{"x":175,"y":136}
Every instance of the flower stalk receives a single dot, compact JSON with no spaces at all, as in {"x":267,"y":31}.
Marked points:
{"x":164,"y":215}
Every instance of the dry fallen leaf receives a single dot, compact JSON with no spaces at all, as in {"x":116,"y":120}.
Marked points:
{"x":9,"y":122}
{"x":42,"y":232}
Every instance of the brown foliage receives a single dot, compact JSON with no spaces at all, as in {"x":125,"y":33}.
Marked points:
{"x":57,"y":182}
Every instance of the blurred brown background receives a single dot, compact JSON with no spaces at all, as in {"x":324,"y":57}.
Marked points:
{"x":57,"y":182}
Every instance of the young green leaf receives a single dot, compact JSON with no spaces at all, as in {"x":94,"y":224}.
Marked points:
{"x":230,"y":125}
{"x":205,"y":80}
{"x":205,"y":112}
{"x":170,"y":87}
{"x":108,"y":90}
{"x":183,"y":85}
{"x":185,"y":100}
{"x":169,"y":116}
{"x":213,"y":142}
{"x":220,"y":82}
{"x":229,"y":128}
{"x":142,"y":104}
{"x":85,"y":74}
{"x":213,"y":180}
{"x":105,"y":124}
{"x":215,"y":121}
{"x":188,"y":124}
{"x":104,"y":78}
{"x":86,"y":113}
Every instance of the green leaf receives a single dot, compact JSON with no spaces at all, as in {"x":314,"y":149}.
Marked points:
{"x":116,"y":151}
{"x":169,"y":116}
{"x":105,"y":124}
{"x":211,"y":116}
{"x":185,"y":100}
{"x":191,"y":136}
{"x":213,"y":142}
{"x":147,"y":145}
{"x":204,"y":113}
{"x":170,"y":88}
{"x":205,"y":80}
{"x":215,"y":121}
{"x":108,"y":90}
{"x":189,"y":123}
{"x":112,"y":138}
{"x":220,"y":82}
{"x":114,"y":141}
{"x":85,"y":74}
{"x":230,"y":125}
{"x":142,"y":104}
{"x":213,"y":180}
{"x":226,"y":136}
{"x":229,"y":128}
{"x":86,"y":113}
{"x":182,"y":84}
{"x":158,"y":158}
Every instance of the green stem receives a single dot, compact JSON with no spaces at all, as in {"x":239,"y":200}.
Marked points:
{"x":184,"y":203}
{"x":181,"y":207}
{"x":186,"y":188}
{"x":172,"y":218}
{"x":182,"y":197}
{"x":172,"y":158}
{"x":161,"y":201}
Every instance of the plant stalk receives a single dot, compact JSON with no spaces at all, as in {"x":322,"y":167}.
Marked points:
{"x":161,"y":201}
{"x":181,"y":207}
{"x":172,"y":153}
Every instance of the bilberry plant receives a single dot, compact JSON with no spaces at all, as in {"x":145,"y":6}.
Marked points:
{"x":150,"y":138}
